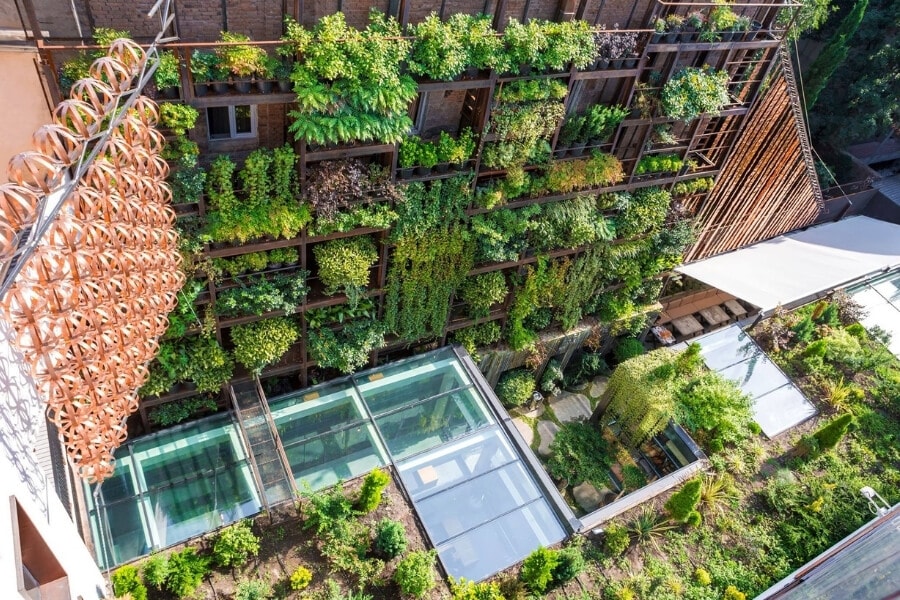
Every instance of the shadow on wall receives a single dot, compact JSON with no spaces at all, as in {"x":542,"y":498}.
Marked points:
{"x":21,"y":416}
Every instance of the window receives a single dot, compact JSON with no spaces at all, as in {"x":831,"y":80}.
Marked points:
{"x":39,"y":575}
{"x":228,"y":122}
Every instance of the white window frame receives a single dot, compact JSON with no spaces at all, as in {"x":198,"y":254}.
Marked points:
{"x":232,"y":124}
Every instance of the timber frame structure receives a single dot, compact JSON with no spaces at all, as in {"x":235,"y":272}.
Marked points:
{"x":753,"y":148}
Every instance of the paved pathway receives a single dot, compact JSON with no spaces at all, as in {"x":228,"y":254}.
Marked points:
{"x":525,"y":429}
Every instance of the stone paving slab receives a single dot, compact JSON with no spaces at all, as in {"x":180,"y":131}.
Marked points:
{"x":570,"y":407}
{"x":599,"y":386}
{"x":587,"y":496}
{"x":547,"y":430}
{"x":535,"y":412}
{"x":525,"y":429}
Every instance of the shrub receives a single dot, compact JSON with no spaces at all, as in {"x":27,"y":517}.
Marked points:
{"x":551,"y":378}
{"x":301,"y":578}
{"x":628,"y":348}
{"x":155,"y":570}
{"x":127,"y":580}
{"x":732,"y":593}
{"x":702,"y":576}
{"x":324,"y":509}
{"x":390,"y":538}
{"x":372,"y":489}
{"x":415,"y":573}
{"x":826,"y":437}
{"x":616,"y":540}
{"x":537,"y":569}
{"x":692,"y":92}
{"x":260,"y":344}
{"x":570,"y":562}
{"x":515,"y":387}
{"x":186,"y":572}
{"x":579,"y":453}
{"x":584,"y":367}
{"x":684,"y":502}
{"x":633,"y":477}
{"x":252,"y":589}
{"x":481,"y":292}
{"x":468,"y":590}
{"x":235,"y":545}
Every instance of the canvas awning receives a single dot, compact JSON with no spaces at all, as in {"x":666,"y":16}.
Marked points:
{"x":796,"y":268}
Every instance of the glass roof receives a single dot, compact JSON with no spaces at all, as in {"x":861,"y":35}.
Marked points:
{"x":777,"y":404}
{"x":480,"y":504}
{"x":881,"y":299}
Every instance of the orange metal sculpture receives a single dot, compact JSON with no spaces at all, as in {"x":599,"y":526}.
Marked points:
{"x":90,"y":303}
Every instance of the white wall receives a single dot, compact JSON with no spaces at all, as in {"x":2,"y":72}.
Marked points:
{"x":21,"y":419}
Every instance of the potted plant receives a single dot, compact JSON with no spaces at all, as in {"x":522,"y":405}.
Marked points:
{"x":437,"y":50}
{"x":265,"y":74}
{"x":673,"y":27}
{"x":659,"y":30}
{"x":742,"y":28}
{"x":427,"y":158}
{"x":242,"y":61}
{"x":721,"y":21}
{"x":484,"y":49}
{"x":282,"y":74}
{"x":568,"y":133}
{"x":525,"y":44}
{"x":202,"y":66}
{"x":408,"y":156}
{"x":692,"y":92}
{"x":692,"y":25}
{"x":167,"y":77}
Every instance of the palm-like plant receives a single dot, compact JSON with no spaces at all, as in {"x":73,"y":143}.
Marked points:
{"x":717,"y":492}
{"x":649,"y":526}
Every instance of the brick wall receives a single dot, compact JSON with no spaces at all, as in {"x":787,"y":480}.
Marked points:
{"x":130,"y":16}
{"x":270,"y":130}
{"x":442,"y":113}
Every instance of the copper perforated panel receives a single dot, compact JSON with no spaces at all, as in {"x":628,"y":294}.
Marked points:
{"x":91,"y":302}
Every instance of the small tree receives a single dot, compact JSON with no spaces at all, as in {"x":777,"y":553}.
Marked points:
{"x":834,"y":53}
{"x":372,"y":489}
{"x":390,"y":538}
{"x":825,"y":438}
{"x":682,"y":505}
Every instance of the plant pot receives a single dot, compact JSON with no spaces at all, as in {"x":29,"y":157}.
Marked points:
{"x":602,"y":63}
{"x":727,"y":36}
{"x":273,"y":266}
{"x":672,"y":37}
{"x":220,"y":87}
{"x":656,"y":38}
{"x":686,"y":36}
{"x":242,"y":86}
{"x":423,"y":171}
{"x":406,"y":172}
{"x":442,"y":167}
{"x":617,"y":63}
{"x":201,"y":89}
{"x":755,"y":26}
{"x":561,"y":149}
{"x":577,"y":149}
{"x":595,"y":142}
{"x":630,"y":63}
{"x":285,"y":86}
{"x":460,"y":166}
{"x":472,"y":72}
{"x":264,"y":86}
{"x":170,"y":92}
{"x":524,"y":69}
{"x":683,"y":170}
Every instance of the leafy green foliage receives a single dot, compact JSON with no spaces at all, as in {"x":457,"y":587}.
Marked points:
{"x":628,"y":348}
{"x":584,"y":367}
{"x":323,"y":509}
{"x":579,"y":453}
{"x":481,"y":292}
{"x":177,"y":411}
{"x":683,"y":503}
{"x":180,"y":118}
{"x":253,"y":589}
{"x":155,"y":570}
{"x":475,"y":336}
{"x":390,"y":538}
{"x":692,"y":92}
{"x":715,"y":406}
{"x":235,"y":545}
{"x":537,"y":569}
{"x":344,"y":264}
{"x":200,"y":360}
{"x":515,"y":387}
{"x":616,"y":540}
{"x":348,"y":82}
{"x":833,"y":54}
{"x":186,"y":570}
{"x":438,"y":50}
{"x":415,"y":573}
{"x":372,"y":489}
{"x":301,"y":578}
{"x":347,"y":349}
{"x":460,"y":589}
{"x":260,"y":344}
{"x":826,"y":437}
{"x":570,"y":562}
{"x":127,"y":580}
{"x":260,"y":295}
{"x":543,"y":287}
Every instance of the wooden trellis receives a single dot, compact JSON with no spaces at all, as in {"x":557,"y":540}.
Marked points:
{"x":764,"y":189}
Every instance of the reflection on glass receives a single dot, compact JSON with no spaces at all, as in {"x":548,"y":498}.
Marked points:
{"x":329,"y":458}
{"x":500,"y":543}
{"x":409,"y":382}
{"x":429,"y":424}
{"x":243,"y":122}
{"x":477,"y":501}
{"x":448,"y":465}
{"x":219,"y":122}
{"x":125,"y":534}
{"x":311,"y":414}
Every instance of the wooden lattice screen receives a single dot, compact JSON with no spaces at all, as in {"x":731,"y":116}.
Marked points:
{"x":764,"y":189}
{"x":91,"y":301}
